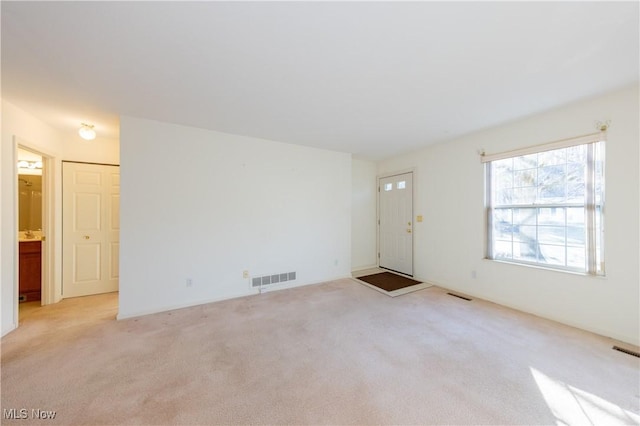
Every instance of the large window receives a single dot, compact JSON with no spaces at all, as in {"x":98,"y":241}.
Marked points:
{"x":545,"y":205}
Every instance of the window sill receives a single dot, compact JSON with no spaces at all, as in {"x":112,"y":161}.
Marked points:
{"x":544,"y":268}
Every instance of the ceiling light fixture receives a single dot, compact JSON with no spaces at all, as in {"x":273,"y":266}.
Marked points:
{"x":87,"y":132}
{"x":23,"y":164}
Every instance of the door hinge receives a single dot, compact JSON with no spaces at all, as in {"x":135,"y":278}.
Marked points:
{"x":378,"y":221}
{"x":378,"y":255}
{"x":378,"y":189}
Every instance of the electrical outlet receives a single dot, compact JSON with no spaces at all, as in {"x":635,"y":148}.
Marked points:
{"x":189,"y":282}
{"x":245,"y":274}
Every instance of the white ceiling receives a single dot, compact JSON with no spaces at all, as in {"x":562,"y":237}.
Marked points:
{"x":374,"y":79}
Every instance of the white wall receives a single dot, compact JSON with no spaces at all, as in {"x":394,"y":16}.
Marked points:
{"x":26,"y":129}
{"x":206,"y":205}
{"x":449,"y":244}
{"x":363,"y":215}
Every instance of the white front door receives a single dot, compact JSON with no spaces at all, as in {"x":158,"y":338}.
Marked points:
{"x":396,"y":223}
{"x":90,"y":228}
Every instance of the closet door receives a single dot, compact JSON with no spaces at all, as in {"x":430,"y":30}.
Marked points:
{"x":90,"y":228}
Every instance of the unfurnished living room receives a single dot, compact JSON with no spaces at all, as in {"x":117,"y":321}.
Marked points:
{"x":320,"y":213}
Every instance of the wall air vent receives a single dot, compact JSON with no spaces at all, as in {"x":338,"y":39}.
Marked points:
{"x":626,"y":351}
{"x":459,"y":297}
{"x":272,"y":279}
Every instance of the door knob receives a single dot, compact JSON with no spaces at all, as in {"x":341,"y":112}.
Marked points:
{"x":408,"y":231}
{"x":86,"y":237}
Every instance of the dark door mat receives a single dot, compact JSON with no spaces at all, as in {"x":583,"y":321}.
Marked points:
{"x":388,"y":281}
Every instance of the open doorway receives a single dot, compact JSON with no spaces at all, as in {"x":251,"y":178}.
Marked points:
{"x":49,"y":233}
{"x":30,"y":202}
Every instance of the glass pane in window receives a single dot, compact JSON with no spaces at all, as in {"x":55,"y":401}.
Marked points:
{"x":401,"y":185}
{"x":575,"y":173}
{"x":576,"y":236}
{"x":526,"y":251}
{"x":599,"y":188}
{"x":504,"y":180}
{"x":552,"y":194}
{"x":548,"y":158}
{"x":524,"y":195}
{"x":525,"y":245}
{"x":523,"y":178}
{"x":575,"y":216}
{"x":551,"y":234}
{"x":577,"y":154}
{"x":502,"y":227}
{"x":502,"y":249}
{"x":525,"y":234}
{"x":524,"y":216}
{"x":502,"y":175}
{"x":577,"y":257}
{"x":575,"y":192}
{"x":502,"y":168}
{"x":502,"y":215}
{"x":525,"y":162}
{"x":552,"y":254}
{"x":551,"y":183}
{"x":551,"y":216}
{"x":599,"y":172}
{"x":503,"y":196}
{"x":551,"y":175}
{"x":502,"y":231}
{"x":388,"y":186}
{"x":599,"y":258}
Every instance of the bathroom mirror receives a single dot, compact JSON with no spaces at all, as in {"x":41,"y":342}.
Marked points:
{"x":29,"y":202}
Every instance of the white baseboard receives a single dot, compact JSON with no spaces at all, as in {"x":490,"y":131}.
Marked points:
{"x":252,"y":292}
{"x":363,"y":268}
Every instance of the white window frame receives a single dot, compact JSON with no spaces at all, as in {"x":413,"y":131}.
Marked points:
{"x":594,"y":235}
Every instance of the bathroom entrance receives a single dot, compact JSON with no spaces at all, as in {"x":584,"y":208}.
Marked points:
{"x":30,"y":238}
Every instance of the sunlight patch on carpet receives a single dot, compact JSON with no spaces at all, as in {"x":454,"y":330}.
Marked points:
{"x":573,"y":406}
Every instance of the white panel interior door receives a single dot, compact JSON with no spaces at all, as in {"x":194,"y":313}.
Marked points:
{"x":91,"y":228}
{"x":396,"y":223}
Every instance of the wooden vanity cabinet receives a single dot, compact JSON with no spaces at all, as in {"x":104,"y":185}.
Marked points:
{"x":30,"y":270}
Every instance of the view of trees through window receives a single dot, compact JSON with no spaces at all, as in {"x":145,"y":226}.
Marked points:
{"x":542,"y":204}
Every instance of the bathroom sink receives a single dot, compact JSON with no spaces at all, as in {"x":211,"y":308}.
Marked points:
{"x":25,"y":239}
{"x":32,"y":236}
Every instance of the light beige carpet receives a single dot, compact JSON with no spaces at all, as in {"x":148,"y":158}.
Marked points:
{"x":334,"y":353}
